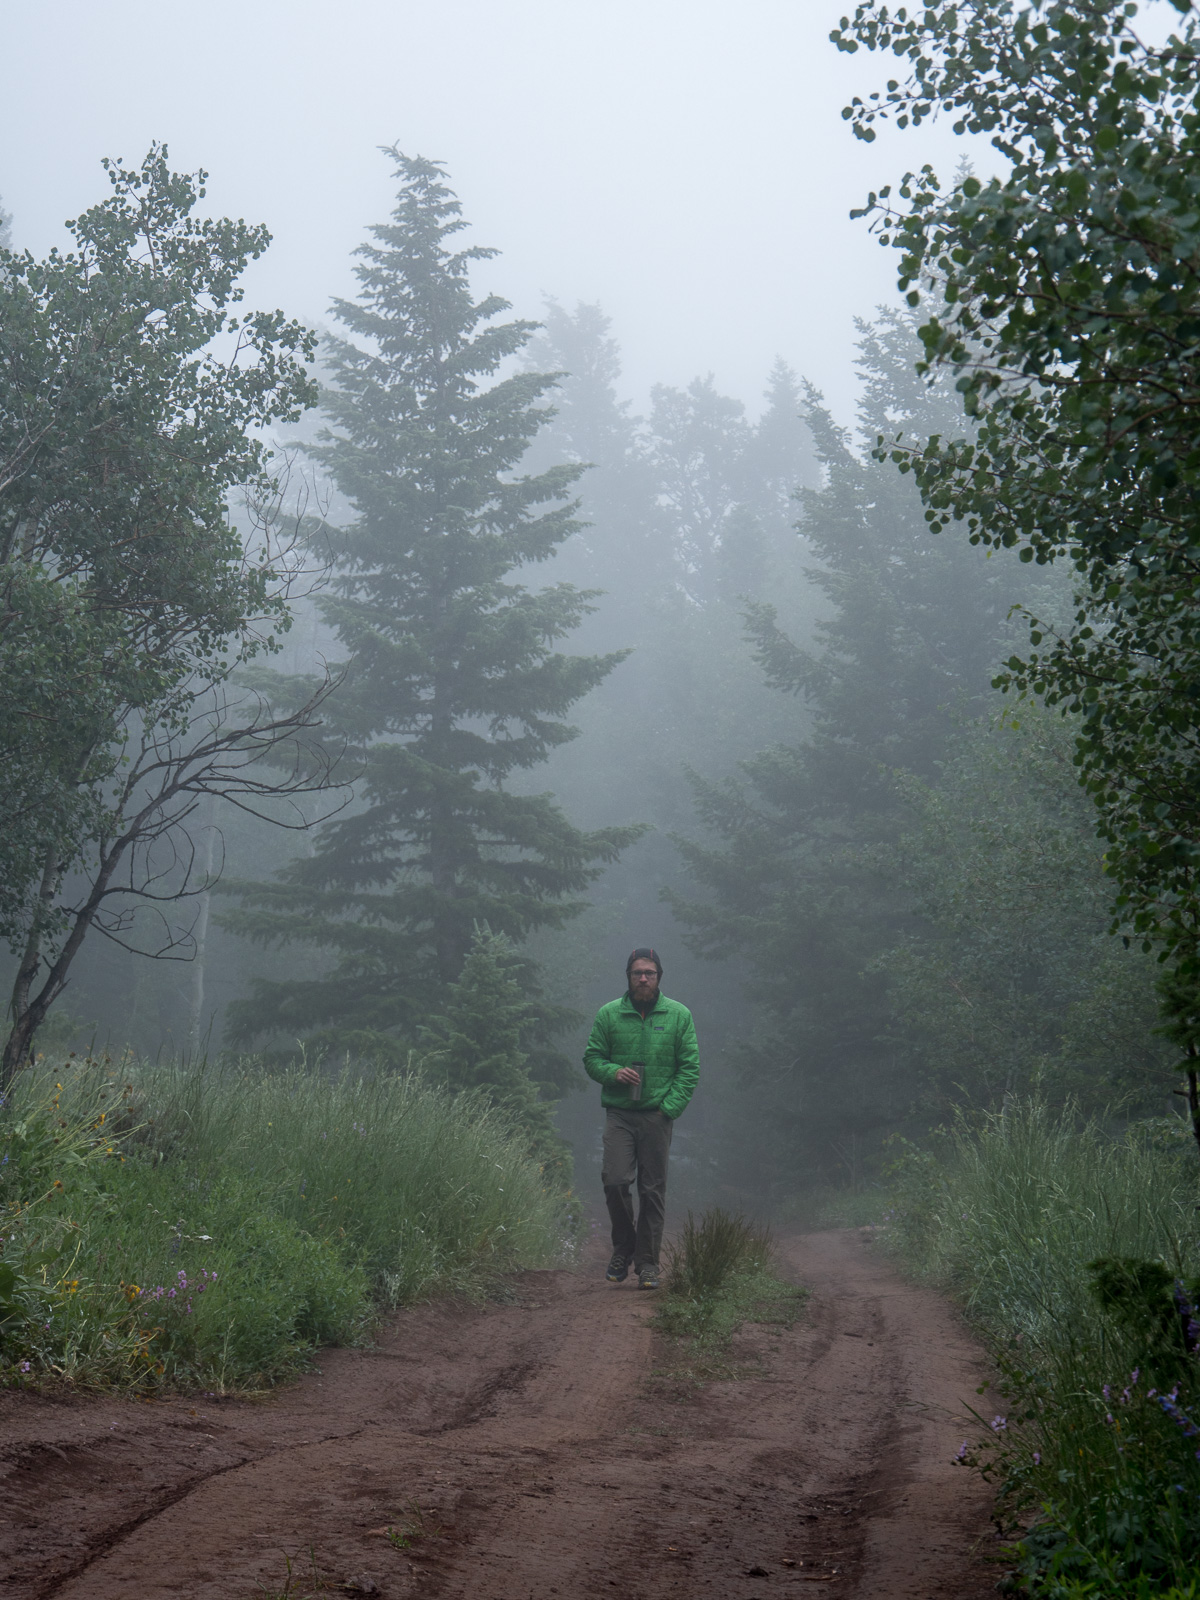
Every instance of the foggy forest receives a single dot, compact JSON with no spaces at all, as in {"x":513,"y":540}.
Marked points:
{"x":377,"y":672}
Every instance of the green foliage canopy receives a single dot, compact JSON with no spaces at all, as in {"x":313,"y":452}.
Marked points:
{"x":131,"y":392}
{"x":1007,"y":982}
{"x":1070,"y":314}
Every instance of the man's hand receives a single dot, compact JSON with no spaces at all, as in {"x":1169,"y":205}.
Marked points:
{"x":627,"y":1075}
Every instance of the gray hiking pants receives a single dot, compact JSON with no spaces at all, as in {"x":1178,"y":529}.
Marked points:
{"x":637,"y":1145}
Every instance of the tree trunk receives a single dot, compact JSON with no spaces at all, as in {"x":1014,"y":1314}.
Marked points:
{"x":28,"y":1014}
{"x":447,"y":943}
{"x":1193,"y":1095}
{"x":196,"y":1010}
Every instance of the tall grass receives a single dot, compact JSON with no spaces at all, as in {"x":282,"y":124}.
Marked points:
{"x":212,"y":1227}
{"x":720,"y":1273}
{"x":1091,"y":1433}
{"x":708,"y":1252}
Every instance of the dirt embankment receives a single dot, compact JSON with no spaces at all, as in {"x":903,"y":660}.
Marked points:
{"x":533,"y":1452}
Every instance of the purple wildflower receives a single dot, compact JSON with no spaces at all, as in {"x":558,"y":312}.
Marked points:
{"x":1179,"y":1417}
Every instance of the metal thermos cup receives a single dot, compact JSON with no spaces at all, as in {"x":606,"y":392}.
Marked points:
{"x":635,"y":1089}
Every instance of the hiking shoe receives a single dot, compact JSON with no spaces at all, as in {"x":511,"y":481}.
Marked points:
{"x":648,"y":1278}
{"x":618,"y":1269}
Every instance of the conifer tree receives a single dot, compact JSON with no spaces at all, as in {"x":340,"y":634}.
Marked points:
{"x":477,"y":1040}
{"x":594,"y":428}
{"x":779,"y":462}
{"x":453,"y":687}
{"x":787,"y":877}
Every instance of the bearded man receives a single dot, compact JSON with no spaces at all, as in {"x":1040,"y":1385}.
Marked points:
{"x":643,"y":1054}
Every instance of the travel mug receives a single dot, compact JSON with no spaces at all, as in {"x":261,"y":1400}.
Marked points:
{"x":635,"y":1089}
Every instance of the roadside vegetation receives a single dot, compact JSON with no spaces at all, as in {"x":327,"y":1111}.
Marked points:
{"x":1077,"y":1251}
{"x":211,"y":1228}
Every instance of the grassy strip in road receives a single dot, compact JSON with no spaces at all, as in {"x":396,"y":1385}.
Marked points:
{"x":719,"y":1276}
{"x":1092,"y":1436}
{"x":210,"y":1228}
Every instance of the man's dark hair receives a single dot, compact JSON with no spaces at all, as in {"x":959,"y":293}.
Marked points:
{"x":644,"y":953}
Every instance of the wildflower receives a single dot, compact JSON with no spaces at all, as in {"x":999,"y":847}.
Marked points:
{"x":1179,"y":1417}
{"x":1037,"y":1458}
{"x":999,"y":1423}
{"x":961,"y":1452}
{"x":26,"y":1366}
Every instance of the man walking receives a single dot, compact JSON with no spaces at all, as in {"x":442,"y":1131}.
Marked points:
{"x":643,"y":1054}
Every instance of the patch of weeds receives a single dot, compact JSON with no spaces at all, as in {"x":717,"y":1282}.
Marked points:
{"x":300,"y":1585}
{"x":416,"y":1526}
{"x":719,"y":1276}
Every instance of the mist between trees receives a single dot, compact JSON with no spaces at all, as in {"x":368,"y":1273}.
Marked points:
{"x":483,"y":679}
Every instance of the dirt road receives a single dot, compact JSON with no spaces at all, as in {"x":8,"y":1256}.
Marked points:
{"x":533,"y":1452}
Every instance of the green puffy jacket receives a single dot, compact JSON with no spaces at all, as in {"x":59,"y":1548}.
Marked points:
{"x":664,"y":1041}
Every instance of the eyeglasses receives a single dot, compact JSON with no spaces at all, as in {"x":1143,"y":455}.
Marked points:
{"x":647,"y":972}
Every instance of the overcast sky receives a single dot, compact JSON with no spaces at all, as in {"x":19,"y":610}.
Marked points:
{"x":684,"y":164}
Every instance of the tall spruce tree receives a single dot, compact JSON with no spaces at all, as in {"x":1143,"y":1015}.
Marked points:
{"x":788,"y":877}
{"x":452,"y":683}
